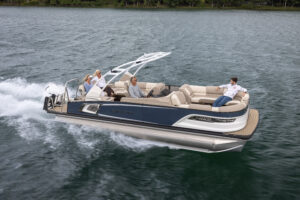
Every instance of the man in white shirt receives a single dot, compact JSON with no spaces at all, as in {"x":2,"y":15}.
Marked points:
{"x":232,"y":89}
{"x":101,"y":83}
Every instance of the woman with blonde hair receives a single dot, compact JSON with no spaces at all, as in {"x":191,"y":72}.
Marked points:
{"x":87,"y":83}
{"x":101,"y":83}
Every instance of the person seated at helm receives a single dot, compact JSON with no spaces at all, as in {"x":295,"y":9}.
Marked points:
{"x":134,"y":90}
{"x":232,"y":89}
{"x":100,"y":81}
{"x":87,"y":83}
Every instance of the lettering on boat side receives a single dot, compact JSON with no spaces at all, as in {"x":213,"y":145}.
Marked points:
{"x":117,"y":111}
{"x":211,"y":120}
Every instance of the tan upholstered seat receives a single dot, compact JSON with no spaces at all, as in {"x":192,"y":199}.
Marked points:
{"x":81,"y":90}
{"x":147,"y":87}
{"x":200,"y":107}
{"x":233,"y":102}
{"x":200,"y":94}
{"x":207,"y":95}
{"x":187,"y":95}
{"x":121,"y":88}
{"x":174,"y":99}
{"x":178,"y":99}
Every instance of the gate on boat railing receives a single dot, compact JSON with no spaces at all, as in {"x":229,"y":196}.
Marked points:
{"x":59,"y":99}
{"x":66,"y":95}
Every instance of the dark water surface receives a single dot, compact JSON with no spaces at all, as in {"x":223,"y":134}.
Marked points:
{"x":43,"y":159}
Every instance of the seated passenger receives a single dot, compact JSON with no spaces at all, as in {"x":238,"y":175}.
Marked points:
{"x":87,"y":83}
{"x":134,"y":90}
{"x":232,"y":89}
{"x":100,"y":81}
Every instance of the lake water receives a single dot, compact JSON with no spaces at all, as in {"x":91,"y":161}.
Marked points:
{"x":43,"y":159}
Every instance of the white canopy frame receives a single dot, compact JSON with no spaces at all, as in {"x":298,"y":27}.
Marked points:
{"x":139,"y":63}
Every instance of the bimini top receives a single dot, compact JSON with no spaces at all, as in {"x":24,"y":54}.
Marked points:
{"x":137,"y":64}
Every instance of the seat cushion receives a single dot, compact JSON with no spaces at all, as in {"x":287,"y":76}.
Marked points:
{"x":121,"y":84}
{"x":233,"y":102}
{"x":147,"y":87}
{"x":204,"y":98}
{"x":187,"y":91}
{"x":198,"y":90}
{"x":213,"y":90}
{"x":232,"y":108}
{"x":82,"y":90}
{"x":142,"y":85}
{"x":200,"y":107}
{"x":121,"y":88}
{"x":121,"y":92}
{"x":178,"y":98}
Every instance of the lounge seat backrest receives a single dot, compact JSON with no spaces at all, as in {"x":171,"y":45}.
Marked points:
{"x":122,"y":84}
{"x":121,"y":87}
{"x":187,"y":91}
{"x":239,"y":96}
{"x":214,"y":91}
{"x":244,"y":99}
{"x":200,"y":94}
{"x":198,"y":90}
{"x":81,"y":90}
{"x":178,"y":99}
{"x":147,"y":87}
{"x":95,"y":93}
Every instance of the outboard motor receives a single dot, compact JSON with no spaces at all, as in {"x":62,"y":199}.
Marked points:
{"x":49,"y":102}
{"x":45,"y":107}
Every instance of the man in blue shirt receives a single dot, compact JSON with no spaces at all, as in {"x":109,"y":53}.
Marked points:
{"x":134,"y":90}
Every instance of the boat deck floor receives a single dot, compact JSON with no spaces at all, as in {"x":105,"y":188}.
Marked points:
{"x":59,"y":109}
{"x":251,"y":124}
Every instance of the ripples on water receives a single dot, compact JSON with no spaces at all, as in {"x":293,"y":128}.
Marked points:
{"x":43,"y":159}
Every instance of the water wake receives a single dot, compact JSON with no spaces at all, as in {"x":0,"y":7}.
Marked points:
{"x":21,"y":108}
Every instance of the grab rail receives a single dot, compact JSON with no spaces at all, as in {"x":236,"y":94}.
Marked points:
{"x":66,"y":93}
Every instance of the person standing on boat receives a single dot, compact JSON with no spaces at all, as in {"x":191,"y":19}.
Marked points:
{"x":100,"y":81}
{"x":87,"y":83}
{"x":134,"y":90}
{"x":232,"y":89}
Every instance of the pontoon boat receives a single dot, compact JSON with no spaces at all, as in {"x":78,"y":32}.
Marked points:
{"x":181,"y":116}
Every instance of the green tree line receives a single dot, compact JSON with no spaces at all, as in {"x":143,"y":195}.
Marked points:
{"x":160,"y":3}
